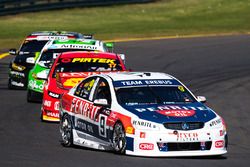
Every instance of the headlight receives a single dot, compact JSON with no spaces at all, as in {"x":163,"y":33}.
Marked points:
{"x":18,"y":67}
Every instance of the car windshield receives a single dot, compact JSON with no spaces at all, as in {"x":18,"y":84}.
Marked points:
{"x":32,"y":46}
{"x":153,"y":95}
{"x":87,"y":65}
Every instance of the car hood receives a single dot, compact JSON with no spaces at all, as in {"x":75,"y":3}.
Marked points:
{"x":191,"y":112}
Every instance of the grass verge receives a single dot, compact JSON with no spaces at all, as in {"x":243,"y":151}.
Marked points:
{"x":161,"y":18}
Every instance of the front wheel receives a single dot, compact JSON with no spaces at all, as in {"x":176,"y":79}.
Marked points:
{"x":66,"y":131}
{"x":9,"y":84}
{"x":119,"y":138}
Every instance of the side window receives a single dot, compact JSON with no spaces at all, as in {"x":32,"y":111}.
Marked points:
{"x":84,"y":88}
{"x":102,"y":91}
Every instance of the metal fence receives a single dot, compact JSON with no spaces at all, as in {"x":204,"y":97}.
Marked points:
{"x":19,"y":6}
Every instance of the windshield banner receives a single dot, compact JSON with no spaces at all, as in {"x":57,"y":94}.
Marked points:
{"x":159,"y":82}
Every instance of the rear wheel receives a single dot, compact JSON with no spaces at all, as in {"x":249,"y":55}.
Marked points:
{"x":66,"y":131}
{"x":119,"y":138}
{"x":29,"y":96}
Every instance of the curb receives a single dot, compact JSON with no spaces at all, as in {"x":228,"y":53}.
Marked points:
{"x":3,"y":55}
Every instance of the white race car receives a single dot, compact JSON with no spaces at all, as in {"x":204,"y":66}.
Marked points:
{"x":142,"y":114}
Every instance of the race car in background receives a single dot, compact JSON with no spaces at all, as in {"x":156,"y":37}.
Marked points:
{"x":49,"y":52}
{"x":25,"y":57}
{"x":142,"y":114}
{"x":69,"y":69}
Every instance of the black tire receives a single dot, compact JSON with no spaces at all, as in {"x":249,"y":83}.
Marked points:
{"x":41,"y":117}
{"x":66,"y":131}
{"x":9,"y":84}
{"x":119,"y":138}
{"x":33,"y":97}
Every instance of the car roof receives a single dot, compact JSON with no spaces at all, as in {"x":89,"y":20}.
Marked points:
{"x":93,"y":54}
{"x":125,"y":76}
{"x":51,"y":35}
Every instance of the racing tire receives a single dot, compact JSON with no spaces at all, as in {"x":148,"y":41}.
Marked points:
{"x":9,"y":84}
{"x":32,"y":97}
{"x":41,"y":117}
{"x":29,"y":96}
{"x":119,"y":138}
{"x":66,"y":131}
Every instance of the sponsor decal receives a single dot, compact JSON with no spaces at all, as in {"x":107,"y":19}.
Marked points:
{"x":181,"y":88}
{"x":185,"y":136}
{"x":145,"y":82}
{"x":172,"y":109}
{"x":177,"y":113}
{"x":33,"y":84}
{"x":52,"y":114}
{"x":130,"y":130}
{"x":83,"y":126}
{"x":17,"y":73}
{"x":56,"y":105}
{"x":84,"y":108}
{"x":47,"y":103}
{"x":182,"y":136}
{"x":94,"y":60}
{"x":54,"y":95}
{"x":72,"y":81}
{"x":51,"y":38}
{"x":215,"y":122}
{"x":142,"y":135}
{"x":219,"y":144}
{"x":17,"y":84}
{"x":146,"y":146}
{"x":76,"y":46}
{"x":143,"y":124}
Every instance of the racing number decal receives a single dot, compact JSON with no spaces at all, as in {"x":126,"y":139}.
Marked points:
{"x":102,"y":126}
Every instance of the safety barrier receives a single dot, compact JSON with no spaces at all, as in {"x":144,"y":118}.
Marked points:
{"x":19,"y":6}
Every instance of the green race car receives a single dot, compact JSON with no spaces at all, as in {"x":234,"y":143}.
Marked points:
{"x":38,"y":75}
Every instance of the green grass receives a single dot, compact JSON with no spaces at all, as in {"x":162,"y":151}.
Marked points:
{"x":161,"y":18}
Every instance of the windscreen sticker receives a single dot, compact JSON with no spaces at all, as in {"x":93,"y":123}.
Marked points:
{"x":89,"y":60}
{"x":145,"y":82}
{"x":181,"y":88}
{"x":75,"y":46}
{"x":52,"y":37}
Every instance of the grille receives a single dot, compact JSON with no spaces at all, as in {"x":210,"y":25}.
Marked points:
{"x":184,"y":146}
{"x":179,"y":125}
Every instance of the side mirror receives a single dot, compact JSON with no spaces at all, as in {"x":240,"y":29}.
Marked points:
{"x":123,"y":57}
{"x":30,"y":60}
{"x":201,"y":99}
{"x":43,"y":75}
{"x":101,"y":102}
{"x":12,"y":51}
{"x":110,"y":46}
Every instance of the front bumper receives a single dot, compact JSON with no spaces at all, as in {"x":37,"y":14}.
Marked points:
{"x":170,"y":144}
{"x":18,"y":79}
{"x":50,"y":110}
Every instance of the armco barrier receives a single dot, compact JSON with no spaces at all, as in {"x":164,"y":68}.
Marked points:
{"x":19,"y":6}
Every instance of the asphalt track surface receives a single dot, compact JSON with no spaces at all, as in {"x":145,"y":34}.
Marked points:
{"x":216,"y":67}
